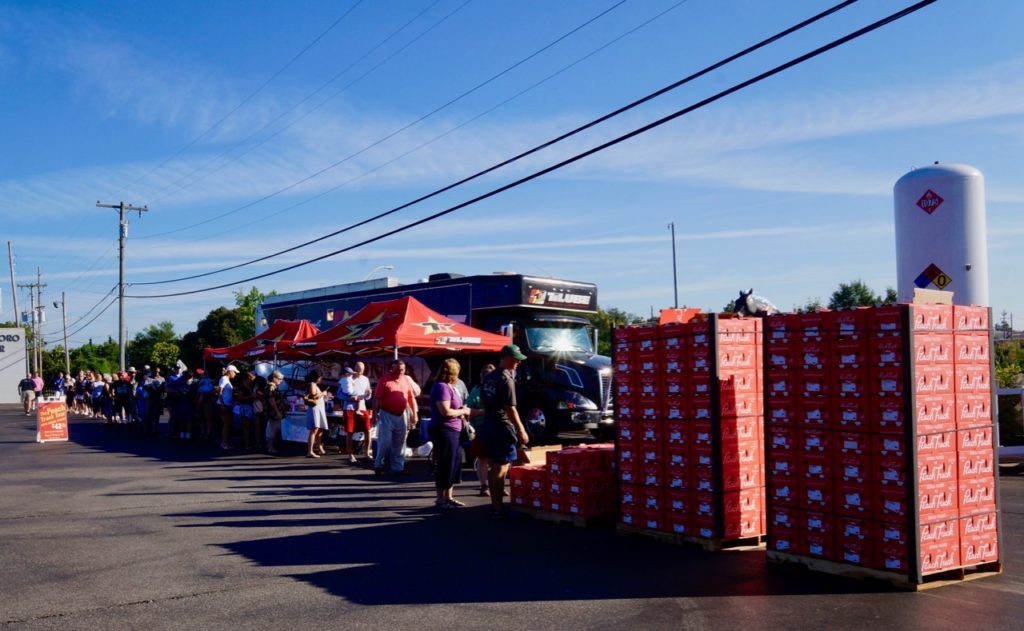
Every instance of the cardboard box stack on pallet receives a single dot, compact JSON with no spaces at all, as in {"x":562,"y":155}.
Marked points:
{"x":879,"y":433}
{"x":575,"y":481}
{"x":688,"y":406}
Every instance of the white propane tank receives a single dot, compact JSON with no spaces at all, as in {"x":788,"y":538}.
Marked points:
{"x":940,"y":233}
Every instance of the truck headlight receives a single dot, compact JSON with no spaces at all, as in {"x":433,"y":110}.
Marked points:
{"x":575,"y":401}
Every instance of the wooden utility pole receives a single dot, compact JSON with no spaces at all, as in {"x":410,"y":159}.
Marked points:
{"x":37,"y":308}
{"x":14,"y":297}
{"x":122,"y":237}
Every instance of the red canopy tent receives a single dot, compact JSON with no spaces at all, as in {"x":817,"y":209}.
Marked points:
{"x":264,"y":344}
{"x":383,"y":327}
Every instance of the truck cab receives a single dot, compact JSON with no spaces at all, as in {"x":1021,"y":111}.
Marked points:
{"x":563,"y":384}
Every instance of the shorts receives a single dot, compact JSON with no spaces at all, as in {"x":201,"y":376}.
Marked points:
{"x":499,"y":442}
{"x":28,"y":395}
{"x":350,"y":421}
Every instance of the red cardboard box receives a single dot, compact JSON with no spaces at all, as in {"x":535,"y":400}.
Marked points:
{"x":781,"y":411}
{"x":936,"y":379}
{"x":627,"y":430}
{"x":652,"y":520}
{"x":887,"y":382}
{"x":815,"y":441}
{"x":780,"y":329}
{"x":890,"y":503}
{"x":816,"y":494}
{"x":970,"y":318}
{"x":851,"y":413}
{"x":850,"y":353}
{"x":676,"y":434}
{"x":931,"y":317}
{"x":704,"y":527}
{"x":854,"y":551}
{"x":700,"y":385}
{"x":780,"y":384}
{"x":973,"y":379}
{"x":890,"y":470}
{"x":852,"y":442}
{"x":700,"y":332}
{"x":650,"y":434}
{"x":814,"y":383}
{"x":936,"y":443}
{"x":854,"y":467}
{"x":782,"y":357}
{"x":738,"y":330}
{"x":651,"y":499}
{"x":651,"y":455}
{"x":650,"y":409}
{"x":971,"y":348}
{"x":818,"y":545}
{"x":853,"y":499}
{"x":783,"y":464}
{"x":847,"y":323}
{"x":704,"y":479}
{"x":737,"y":430}
{"x":701,"y":408}
{"x":935,"y":413}
{"x":975,"y":438}
{"x":629,"y":496}
{"x":977,"y":495}
{"x":648,"y":386}
{"x":700,"y":434}
{"x":699,"y":359}
{"x":783,"y":492}
{"x":674,"y":361}
{"x":736,"y":526}
{"x":892,"y":558}
{"x":889,"y":445}
{"x":885,"y":351}
{"x":889,"y":533}
{"x":652,"y":475}
{"x":815,"y":412}
{"x":738,"y":357}
{"x":674,"y":385}
{"x":629,"y":472}
{"x":979,"y":539}
{"x":973,"y":410}
{"x":938,"y":501}
{"x":937,"y":467}
{"x":933,"y":348}
{"x":940,"y":546}
{"x":703,"y":504}
{"x":851,"y":382}
{"x":784,"y":517}
{"x":739,"y":405}
{"x":812,"y":326}
{"x":627,"y":455}
{"x":885,"y":321}
{"x":679,"y":502}
{"x":630,"y":516}
{"x":888,"y":415}
{"x":782,"y":439}
{"x":815,"y":354}
{"x":814,"y":466}
{"x":784,"y":540}
{"x":815,"y":521}
{"x":626,"y":409}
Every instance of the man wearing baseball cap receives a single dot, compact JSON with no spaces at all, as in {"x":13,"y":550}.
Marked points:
{"x":225,"y":404}
{"x":502,"y":432}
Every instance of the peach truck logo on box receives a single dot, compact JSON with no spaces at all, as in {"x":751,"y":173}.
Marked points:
{"x":51,"y":422}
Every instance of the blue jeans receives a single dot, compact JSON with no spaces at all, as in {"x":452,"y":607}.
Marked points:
{"x":391,"y":433}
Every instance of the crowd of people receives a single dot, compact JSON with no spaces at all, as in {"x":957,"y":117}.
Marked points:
{"x":482,"y":423}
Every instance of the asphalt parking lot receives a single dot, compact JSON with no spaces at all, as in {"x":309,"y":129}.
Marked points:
{"x":111,"y":530}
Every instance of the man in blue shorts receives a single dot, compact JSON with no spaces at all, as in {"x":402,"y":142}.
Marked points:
{"x":502,"y":432}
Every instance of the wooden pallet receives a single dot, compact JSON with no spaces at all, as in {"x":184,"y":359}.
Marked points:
{"x":901,"y":581}
{"x":710,"y":545}
{"x":564,"y":518}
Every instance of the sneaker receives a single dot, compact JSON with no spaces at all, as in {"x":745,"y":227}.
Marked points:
{"x":456,"y":503}
{"x":484,"y":492}
{"x":351,"y":458}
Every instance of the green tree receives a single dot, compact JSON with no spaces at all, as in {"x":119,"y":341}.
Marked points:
{"x":164,"y":354}
{"x":605,"y":320}
{"x":100,"y":358}
{"x":853,"y":294}
{"x":220,"y":327}
{"x":140,"y":351}
{"x":246,"y":303}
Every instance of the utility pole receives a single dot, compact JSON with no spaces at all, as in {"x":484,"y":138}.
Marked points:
{"x":14,"y":295}
{"x":64,"y":318}
{"x":675,"y":282}
{"x":39,"y":305}
{"x":122,"y":236}
{"x":36,"y":317}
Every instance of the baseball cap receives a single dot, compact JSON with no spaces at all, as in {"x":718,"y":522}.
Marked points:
{"x":348,"y":370}
{"x":132,"y":369}
{"x":231,"y":368}
{"x":512,"y":351}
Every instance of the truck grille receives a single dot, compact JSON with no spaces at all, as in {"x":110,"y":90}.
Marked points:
{"x":606,"y":392}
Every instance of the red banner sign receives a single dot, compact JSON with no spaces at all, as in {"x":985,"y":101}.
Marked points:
{"x":51,"y":421}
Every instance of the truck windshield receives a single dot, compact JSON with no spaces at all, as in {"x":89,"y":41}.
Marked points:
{"x":546,"y":339}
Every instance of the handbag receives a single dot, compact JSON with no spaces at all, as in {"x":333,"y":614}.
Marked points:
{"x":467,"y":433}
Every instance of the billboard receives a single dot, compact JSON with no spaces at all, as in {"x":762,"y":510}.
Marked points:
{"x":12,"y":363}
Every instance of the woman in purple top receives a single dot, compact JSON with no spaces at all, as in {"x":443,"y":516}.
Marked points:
{"x":447,"y":411}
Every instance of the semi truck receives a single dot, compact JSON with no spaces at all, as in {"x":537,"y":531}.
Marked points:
{"x":563,"y":384}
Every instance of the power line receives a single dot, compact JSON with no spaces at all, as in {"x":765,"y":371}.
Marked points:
{"x":549,"y":143}
{"x":461,"y":125}
{"x":248,"y":98}
{"x":615,"y":141}
{"x":397,"y":131}
{"x":161,"y":194}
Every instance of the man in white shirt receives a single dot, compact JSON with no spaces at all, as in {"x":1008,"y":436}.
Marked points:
{"x":354,"y":387}
{"x":225,"y":404}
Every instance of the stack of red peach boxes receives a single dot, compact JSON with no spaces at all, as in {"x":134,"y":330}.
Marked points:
{"x":879,"y":434}
{"x":689,"y":427}
{"x":576,"y":481}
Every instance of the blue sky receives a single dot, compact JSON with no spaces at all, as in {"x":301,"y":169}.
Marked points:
{"x":785,"y":187}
